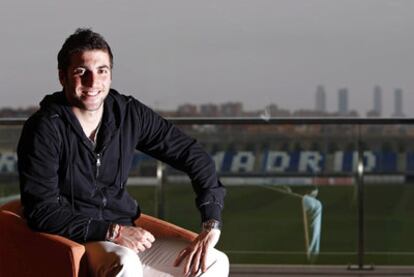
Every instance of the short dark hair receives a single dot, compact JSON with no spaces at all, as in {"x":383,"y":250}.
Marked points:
{"x":84,"y":39}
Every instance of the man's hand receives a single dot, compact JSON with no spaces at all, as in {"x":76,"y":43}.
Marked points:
{"x":135,"y":238}
{"x":195,"y":255}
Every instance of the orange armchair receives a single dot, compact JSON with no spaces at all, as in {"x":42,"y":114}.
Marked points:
{"x":24,"y":252}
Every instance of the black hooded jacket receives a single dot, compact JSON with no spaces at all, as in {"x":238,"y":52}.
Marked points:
{"x":70,"y":188}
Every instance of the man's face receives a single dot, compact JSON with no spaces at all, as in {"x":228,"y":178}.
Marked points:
{"x":87,"y":80}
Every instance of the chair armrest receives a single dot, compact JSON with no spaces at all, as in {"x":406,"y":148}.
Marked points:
{"x":13,"y":206}
{"x":24,"y":252}
{"x":161,"y":228}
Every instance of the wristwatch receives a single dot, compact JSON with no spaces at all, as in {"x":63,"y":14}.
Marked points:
{"x":211,"y":224}
{"x":114,"y":231}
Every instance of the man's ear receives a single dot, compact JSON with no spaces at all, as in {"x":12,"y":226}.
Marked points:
{"x":62,"y":77}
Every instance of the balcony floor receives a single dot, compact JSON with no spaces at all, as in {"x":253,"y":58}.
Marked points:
{"x":331,"y":271}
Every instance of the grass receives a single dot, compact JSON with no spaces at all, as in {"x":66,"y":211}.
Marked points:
{"x":265,"y":226}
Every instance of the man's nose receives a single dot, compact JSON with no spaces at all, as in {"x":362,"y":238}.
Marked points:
{"x":89,"y":79}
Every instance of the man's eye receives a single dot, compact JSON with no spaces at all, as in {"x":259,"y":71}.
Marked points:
{"x":103,"y":71}
{"x":79,"y":71}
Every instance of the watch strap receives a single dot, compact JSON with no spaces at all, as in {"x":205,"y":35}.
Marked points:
{"x":211,"y":224}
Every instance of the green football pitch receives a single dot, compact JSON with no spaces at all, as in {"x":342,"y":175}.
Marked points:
{"x":264,"y":225}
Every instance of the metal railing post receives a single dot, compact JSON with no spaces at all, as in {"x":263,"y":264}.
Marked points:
{"x":361,"y":204}
{"x":159,"y":194}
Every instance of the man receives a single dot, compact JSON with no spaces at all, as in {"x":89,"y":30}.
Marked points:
{"x":74,"y":155}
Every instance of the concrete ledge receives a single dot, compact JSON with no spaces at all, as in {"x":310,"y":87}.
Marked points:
{"x":238,"y":270}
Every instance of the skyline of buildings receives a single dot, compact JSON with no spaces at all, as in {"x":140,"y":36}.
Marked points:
{"x":273,"y":110}
{"x":343,"y":100}
{"x":236,"y":109}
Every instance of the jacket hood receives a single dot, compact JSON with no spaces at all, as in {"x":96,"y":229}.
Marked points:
{"x":56,"y":105}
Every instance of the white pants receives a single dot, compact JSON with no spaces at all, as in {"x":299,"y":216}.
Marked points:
{"x":109,"y":259}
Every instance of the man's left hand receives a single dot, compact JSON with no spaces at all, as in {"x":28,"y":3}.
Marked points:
{"x":195,"y":255}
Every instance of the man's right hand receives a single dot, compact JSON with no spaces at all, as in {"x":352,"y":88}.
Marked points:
{"x":135,"y":238}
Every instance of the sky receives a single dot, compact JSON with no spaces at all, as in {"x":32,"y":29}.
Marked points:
{"x":258,"y":52}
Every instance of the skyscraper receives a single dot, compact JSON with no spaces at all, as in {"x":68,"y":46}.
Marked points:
{"x":320,"y":99}
{"x":377,"y":109}
{"x":343,"y":101}
{"x":398,"y":103}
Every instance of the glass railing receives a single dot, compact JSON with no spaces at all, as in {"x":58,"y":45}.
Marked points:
{"x":334,"y":191}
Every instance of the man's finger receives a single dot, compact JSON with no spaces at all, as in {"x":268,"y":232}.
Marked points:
{"x":180,"y":257}
{"x":196,"y":261}
{"x":141,"y":247}
{"x":147,"y":244}
{"x":150,"y":237}
{"x":188,"y":263}
{"x":204,"y":260}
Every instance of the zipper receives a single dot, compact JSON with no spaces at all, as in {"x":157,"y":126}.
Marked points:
{"x":98,"y":164}
{"x":104,"y":199}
